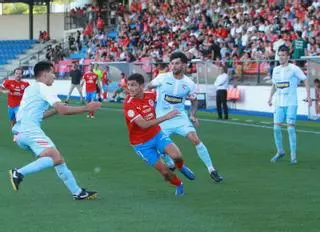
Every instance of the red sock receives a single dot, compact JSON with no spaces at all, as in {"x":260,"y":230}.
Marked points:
{"x":92,"y":113}
{"x":105,"y":95}
{"x":179,"y":163}
{"x":175,"y":181}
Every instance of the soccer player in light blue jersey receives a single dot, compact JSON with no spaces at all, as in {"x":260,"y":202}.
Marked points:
{"x":28,"y":134}
{"x":173,"y":89}
{"x":285,"y":80}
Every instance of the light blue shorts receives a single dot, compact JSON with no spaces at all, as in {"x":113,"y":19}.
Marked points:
{"x":149,"y":151}
{"x":286,"y":114}
{"x":12,"y":111}
{"x":183,"y":130}
{"x":34,"y":141}
{"x":91,"y":96}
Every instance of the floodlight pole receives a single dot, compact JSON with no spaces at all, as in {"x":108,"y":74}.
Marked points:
{"x":31,"y":20}
{"x":48,"y":17}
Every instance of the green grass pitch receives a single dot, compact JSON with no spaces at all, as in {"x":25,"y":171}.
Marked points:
{"x":256,"y":196}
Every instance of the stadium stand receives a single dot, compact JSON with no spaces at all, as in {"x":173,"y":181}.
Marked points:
{"x":10,"y":49}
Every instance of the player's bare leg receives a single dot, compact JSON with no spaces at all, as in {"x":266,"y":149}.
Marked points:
{"x":173,"y":151}
{"x":170,"y":177}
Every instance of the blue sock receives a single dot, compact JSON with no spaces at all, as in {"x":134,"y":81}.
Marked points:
{"x":204,"y":156}
{"x":36,"y":166}
{"x":278,"y":138}
{"x":292,"y":139}
{"x":68,"y":179}
{"x":167,"y":160}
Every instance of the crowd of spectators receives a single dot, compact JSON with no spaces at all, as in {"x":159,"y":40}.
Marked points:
{"x":226,"y":32}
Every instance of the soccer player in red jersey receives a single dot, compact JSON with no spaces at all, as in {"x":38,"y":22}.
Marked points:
{"x":15,"y":89}
{"x":91,"y":80}
{"x":105,"y":82}
{"x":145,"y":134}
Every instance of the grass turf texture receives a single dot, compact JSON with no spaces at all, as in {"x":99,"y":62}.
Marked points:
{"x":255,"y":196}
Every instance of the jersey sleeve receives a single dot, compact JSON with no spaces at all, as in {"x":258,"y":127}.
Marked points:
{"x":193,"y":91}
{"x":299,"y":73}
{"x":131,"y":112}
{"x":48,"y":94}
{"x":5,"y":84}
{"x":156,"y":82}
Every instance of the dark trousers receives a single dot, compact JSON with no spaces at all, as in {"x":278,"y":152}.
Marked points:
{"x":221,"y":100}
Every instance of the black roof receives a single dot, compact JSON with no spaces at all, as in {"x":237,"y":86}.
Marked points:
{"x":36,"y":2}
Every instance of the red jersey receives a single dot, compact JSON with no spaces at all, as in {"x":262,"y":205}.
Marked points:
{"x":140,"y":107}
{"x":16,"y":89}
{"x":91,"y":81}
{"x":105,"y":79}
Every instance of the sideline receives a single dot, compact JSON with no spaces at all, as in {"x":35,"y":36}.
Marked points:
{"x":233,"y":123}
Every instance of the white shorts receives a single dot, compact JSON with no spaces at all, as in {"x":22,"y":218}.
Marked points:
{"x":182,"y":130}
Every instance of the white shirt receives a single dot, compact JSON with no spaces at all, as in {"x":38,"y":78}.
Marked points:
{"x":172,"y":94}
{"x":35,"y":101}
{"x":222,"y":81}
{"x":286,"y":80}
{"x":276,"y":47}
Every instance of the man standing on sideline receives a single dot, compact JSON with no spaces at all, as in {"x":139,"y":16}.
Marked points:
{"x":221,"y":84}
{"x":145,"y":134}
{"x":91,"y":80}
{"x":173,"y":88}
{"x":76,"y":76}
{"x":285,"y":80}
{"x":29,"y":135}
{"x":15,"y":89}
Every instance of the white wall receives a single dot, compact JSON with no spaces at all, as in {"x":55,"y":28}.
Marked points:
{"x":253,"y":98}
{"x":17,"y":26}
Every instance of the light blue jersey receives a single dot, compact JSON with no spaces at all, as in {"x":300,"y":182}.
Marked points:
{"x":286,"y":80}
{"x":35,"y":101}
{"x":172,"y":94}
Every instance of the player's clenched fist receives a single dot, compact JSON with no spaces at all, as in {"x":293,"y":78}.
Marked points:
{"x":93,"y":106}
{"x":172,"y":114}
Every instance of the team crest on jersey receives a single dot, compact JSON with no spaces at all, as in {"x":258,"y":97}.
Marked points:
{"x":130,"y":113}
{"x":151,"y":103}
{"x":282,"y":84}
{"x":173,"y":99}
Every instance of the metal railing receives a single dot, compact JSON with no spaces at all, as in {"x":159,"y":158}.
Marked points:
{"x":245,"y":72}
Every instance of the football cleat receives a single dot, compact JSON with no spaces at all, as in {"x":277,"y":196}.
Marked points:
{"x":277,"y":157}
{"x":187,"y":172}
{"x":85,"y":195}
{"x":15,"y":179}
{"x":293,"y":161}
{"x":179,"y":190}
{"x":215,"y":176}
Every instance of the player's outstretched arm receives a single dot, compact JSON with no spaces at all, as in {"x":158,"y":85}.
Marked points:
{"x":63,"y":109}
{"x":146,"y":124}
{"x":49,"y":113}
{"x":4,"y":90}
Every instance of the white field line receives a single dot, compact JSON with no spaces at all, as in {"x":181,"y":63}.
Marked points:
{"x":229,"y":122}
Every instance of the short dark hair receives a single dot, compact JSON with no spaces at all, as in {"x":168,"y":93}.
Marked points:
{"x":284,"y":48}
{"x":179,"y":55}
{"x":19,"y":68}
{"x":316,"y":80}
{"x":136,"y":77}
{"x":41,"y":67}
